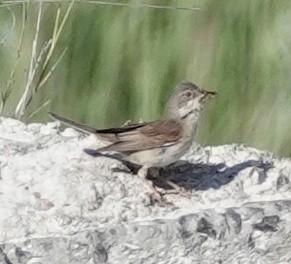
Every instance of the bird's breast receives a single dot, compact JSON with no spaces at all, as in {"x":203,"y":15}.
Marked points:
{"x":162,"y":156}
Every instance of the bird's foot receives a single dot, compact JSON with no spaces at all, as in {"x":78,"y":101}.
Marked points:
{"x":157,"y":197}
{"x":181,"y":191}
{"x":156,"y":194}
{"x":185,"y":193}
{"x":177,"y":189}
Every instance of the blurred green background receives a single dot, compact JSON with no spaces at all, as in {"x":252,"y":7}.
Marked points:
{"x":122,"y":63}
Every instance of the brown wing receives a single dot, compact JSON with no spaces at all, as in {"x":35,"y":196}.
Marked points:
{"x":151,"y":135}
{"x":134,"y":137}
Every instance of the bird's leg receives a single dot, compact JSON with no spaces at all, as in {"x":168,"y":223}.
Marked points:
{"x":142,"y":174}
{"x":176,"y":188}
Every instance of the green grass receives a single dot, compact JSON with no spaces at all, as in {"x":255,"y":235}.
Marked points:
{"x":123,"y":62}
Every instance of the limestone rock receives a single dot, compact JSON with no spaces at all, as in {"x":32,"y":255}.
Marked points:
{"x":60,"y":205}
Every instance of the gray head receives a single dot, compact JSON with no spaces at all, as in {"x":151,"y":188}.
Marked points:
{"x":187,"y":101}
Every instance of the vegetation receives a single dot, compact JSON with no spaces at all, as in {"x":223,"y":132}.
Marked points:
{"x":103,"y":64}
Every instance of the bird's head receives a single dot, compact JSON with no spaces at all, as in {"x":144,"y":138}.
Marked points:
{"x":187,"y":100}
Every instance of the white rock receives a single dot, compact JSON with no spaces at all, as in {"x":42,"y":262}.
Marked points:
{"x":59,"y":205}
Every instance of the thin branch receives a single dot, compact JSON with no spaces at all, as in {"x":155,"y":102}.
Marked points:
{"x":34,"y":43}
{"x":35,"y":62}
{"x":21,"y":104}
{"x":39,"y":108}
{"x":47,"y":76}
{"x":57,"y":31}
{"x":167,"y":7}
{"x":12,"y":26}
{"x":6,"y":94}
{"x":105,"y":3}
{"x":23,"y":26}
{"x":9,"y":4}
{"x":10,"y":81}
{"x":36,"y":66}
{"x":4,"y":97}
{"x":64,"y":19}
{"x":43,"y":79}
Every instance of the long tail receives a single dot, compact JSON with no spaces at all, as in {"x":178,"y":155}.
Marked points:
{"x":71,"y":123}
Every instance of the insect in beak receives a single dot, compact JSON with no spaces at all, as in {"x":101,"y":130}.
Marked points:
{"x":209,"y":94}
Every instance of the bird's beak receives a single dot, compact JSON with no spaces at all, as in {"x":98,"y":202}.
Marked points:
{"x":210,"y":94}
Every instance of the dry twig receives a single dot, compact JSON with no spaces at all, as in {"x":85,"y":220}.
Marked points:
{"x":106,"y":3}
{"x":36,"y":64}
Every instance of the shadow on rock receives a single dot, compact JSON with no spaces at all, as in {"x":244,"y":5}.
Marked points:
{"x":205,"y":176}
{"x":188,"y":175}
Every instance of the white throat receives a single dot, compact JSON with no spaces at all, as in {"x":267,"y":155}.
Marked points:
{"x":189,"y":117}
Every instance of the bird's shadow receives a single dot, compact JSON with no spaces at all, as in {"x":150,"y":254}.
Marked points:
{"x":191,"y":176}
{"x":205,"y":176}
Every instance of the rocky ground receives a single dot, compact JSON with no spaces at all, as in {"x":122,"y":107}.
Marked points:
{"x":60,"y":205}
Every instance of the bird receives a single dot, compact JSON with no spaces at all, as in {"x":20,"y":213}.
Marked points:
{"x":157,"y":143}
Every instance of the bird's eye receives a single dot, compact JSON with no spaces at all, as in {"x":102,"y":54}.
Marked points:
{"x":188,"y":94}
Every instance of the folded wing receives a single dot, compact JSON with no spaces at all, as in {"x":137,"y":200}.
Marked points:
{"x":131,"y":138}
{"x":148,"y":136}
